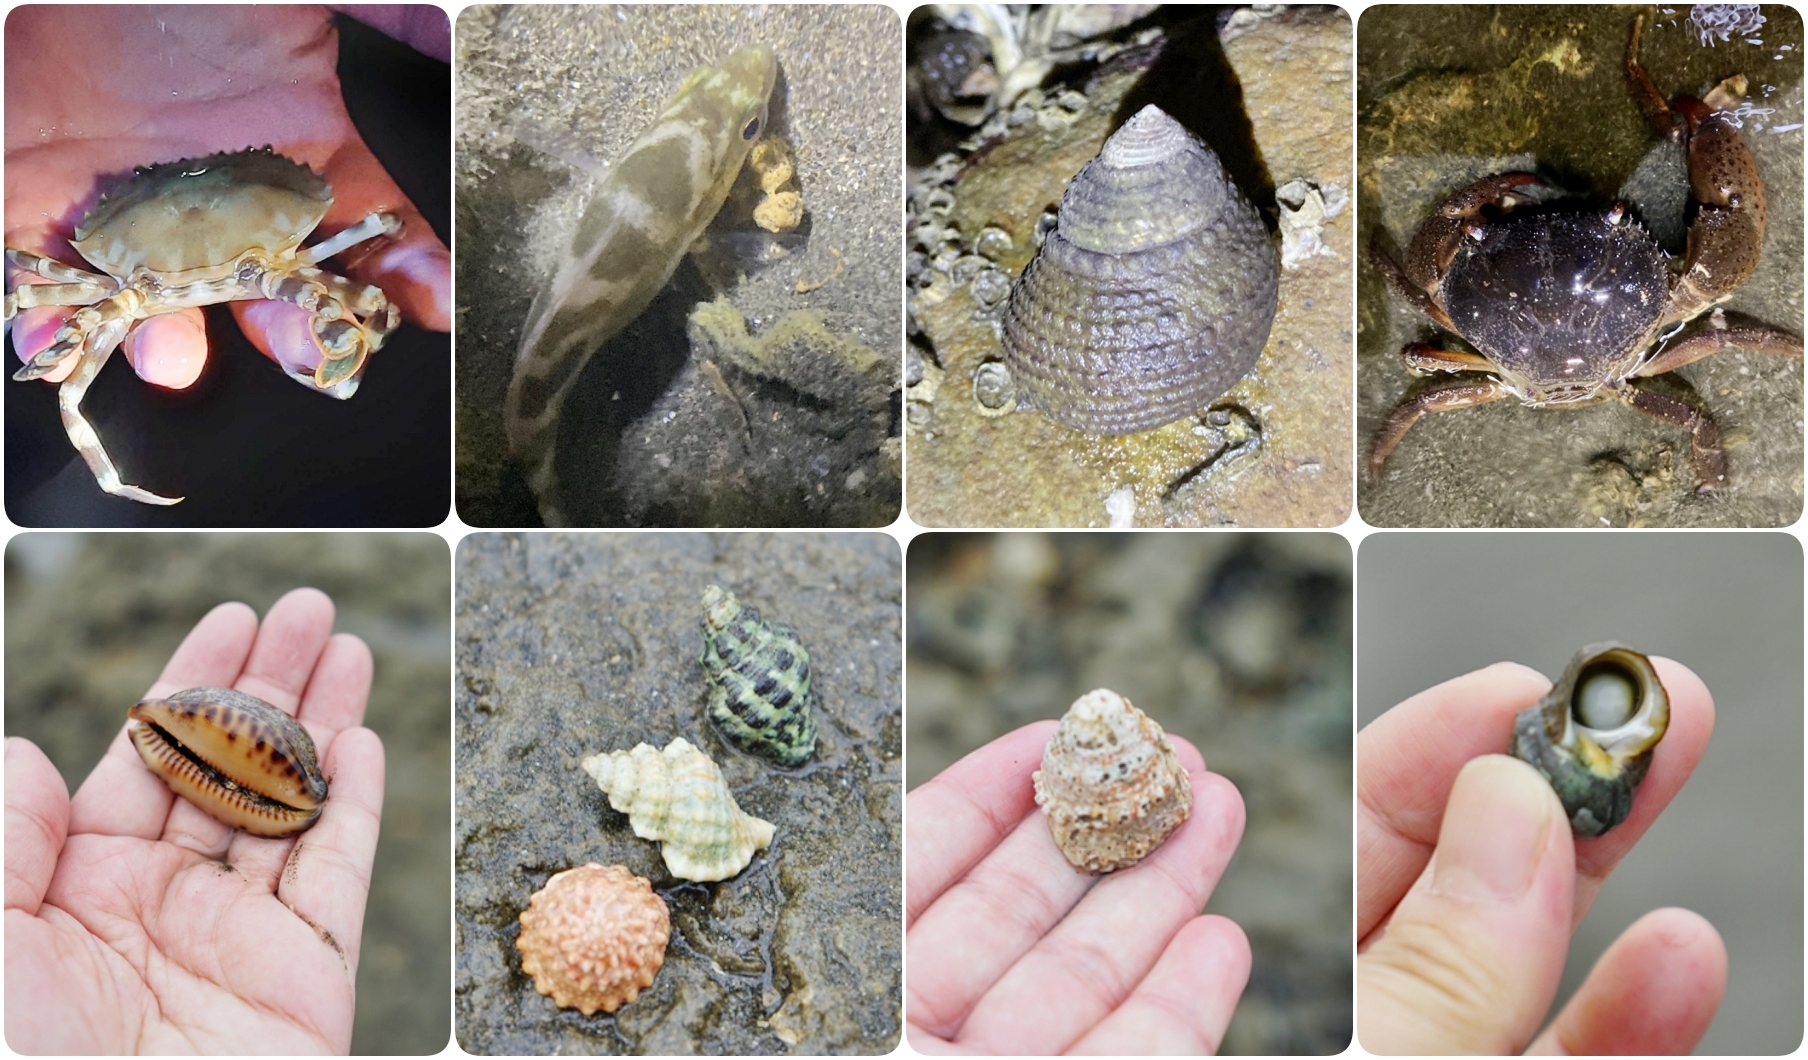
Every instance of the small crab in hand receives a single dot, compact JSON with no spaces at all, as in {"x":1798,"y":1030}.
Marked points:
{"x":197,"y":232}
{"x":1567,"y":308}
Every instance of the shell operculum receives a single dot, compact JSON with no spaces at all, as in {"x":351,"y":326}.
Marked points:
{"x":594,"y":937}
{"x":1154,"y":293}
{"x":242,"y":761}
{"x":1111,"y":784}
{"x":758,"y":674}
{"x":1593,"y":734}
{"x":679,"y":797}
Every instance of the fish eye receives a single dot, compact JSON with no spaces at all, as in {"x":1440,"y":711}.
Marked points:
{"x":752,"y":130}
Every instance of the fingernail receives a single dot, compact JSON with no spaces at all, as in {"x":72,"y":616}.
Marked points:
{"x":1494,"y":831}
{"x":288,"y":331}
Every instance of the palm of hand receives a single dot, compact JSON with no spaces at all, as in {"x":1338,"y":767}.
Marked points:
{"x":162,"y":949}
{"x":137,"y":923}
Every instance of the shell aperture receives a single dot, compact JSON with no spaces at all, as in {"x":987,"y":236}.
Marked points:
{"x":1593,"y":734}
{"x":759,"y":681}
{"x":1111,"y":784}
{"x":240,"y":760}
{"x":680,"y":798}
{"x":1154,"y":293}
{"x":594,"y":937}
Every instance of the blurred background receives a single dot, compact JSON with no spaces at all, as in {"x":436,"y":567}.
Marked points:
{"x":1238,"y":642}
{"x":1728,"y":606}
{"x":92,"y":618}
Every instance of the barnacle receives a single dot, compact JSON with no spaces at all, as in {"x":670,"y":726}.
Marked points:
{"x":759,"y":681}
{"x":241,"y":760}
{"x":1592,"y":735}
{"x":1111,"y":784}
{"x":679,"y":797}
{"x":594,"y":937}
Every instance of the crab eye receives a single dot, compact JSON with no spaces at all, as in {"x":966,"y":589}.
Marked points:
{"x":752,"y":130}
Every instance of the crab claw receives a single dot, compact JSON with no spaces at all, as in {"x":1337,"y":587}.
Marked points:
{"x":1435,"y":244}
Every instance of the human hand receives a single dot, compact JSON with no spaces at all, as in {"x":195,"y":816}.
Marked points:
{"x":1013,"y":950}
{"x":93,"y":92}
{"x":137,"y":923}
{"x":1470,"y":883}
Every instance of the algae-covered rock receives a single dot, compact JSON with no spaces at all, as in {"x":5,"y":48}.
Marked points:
{"x":571,"y":645}
{"x":1270,"y":96}
{"x":1451,"y":94}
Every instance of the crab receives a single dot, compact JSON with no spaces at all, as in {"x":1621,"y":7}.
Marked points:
{"x":196,"y":232}
{"x":1566,"y":308}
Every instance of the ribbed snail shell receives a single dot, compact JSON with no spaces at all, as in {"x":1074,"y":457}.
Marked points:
{"x":759,"y":681}
{"x":1154,"y":293}
{"x":1592,"y":735}
{"x":679,"y":797}
{"x":594,"y":937}
{"x":1111,"y":784}
{"x":242,"y":761}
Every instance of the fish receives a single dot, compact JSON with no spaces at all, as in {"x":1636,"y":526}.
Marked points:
{"x":649,"y":210}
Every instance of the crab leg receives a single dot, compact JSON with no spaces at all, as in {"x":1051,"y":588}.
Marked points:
{"x":1722,"y":336}
{"x":351,"y":321}
{"x":76,"y":334}
{"x":1707,"y":454}
{"x":72,"y":286}
{"x":1457,"y":394}
{"x":94,"y":348}
{"x":1422,"y":358}
{"x":1728,"y":232}
{"x":374,"y":225}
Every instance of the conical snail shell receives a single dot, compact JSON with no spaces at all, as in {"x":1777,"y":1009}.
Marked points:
{"x":1110,"y":783}
{"x":679,"y":797}
{"x":1592,"y":735}
{"x":759,"y":681}
{"x":1154,"y":293}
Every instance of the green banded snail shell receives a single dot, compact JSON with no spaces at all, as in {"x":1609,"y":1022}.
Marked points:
{"x":1153,"y":294}
{"x":242,"y":761}
{"x":758,"y":674}
{"x":1592,"y":735}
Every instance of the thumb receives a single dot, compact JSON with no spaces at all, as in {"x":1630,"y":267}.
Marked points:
{"x":1470,"y":960}
{"x":37,"y":823}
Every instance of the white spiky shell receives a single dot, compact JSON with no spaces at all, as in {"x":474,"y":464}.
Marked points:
{"x":679,"y":797}
{"x":1111,"y":784}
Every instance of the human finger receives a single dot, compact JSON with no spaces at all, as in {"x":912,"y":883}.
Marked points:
{"x":1470,"y":959}
{"x":339,"y":689}
{"x":1184,"y":1005}
{"x":1654,"y":991}
{"x":37,"y":823}
{"x":34,"y":329}
{"x":956,"y":818}
{"x":1408,"y":758}
{"x":971,"y":935}
{"x":121,"y":797}
{"x":169,"y":350}
{"x":1092,"y":960}
{"x":289,"y":644}
{"x":412,"y":266}
{"x":326,"y":880}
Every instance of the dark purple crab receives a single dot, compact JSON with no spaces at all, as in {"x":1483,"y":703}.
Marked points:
{"x":1566,"y":309}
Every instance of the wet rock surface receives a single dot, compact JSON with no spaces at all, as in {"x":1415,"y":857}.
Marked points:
{"x":1270,"y":96}
{"x":572,"y":645}
{"x":1239,"y":643}
{"x":546,"y":95}
{"x":92,"y":619}
{"x":1449,"y":95}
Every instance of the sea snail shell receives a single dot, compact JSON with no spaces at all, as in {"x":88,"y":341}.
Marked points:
{"x":1111,"y":784}
{"x":758,"y":674}
{"x":1154,"y":293}
{"x":594,"y":937}
{"x":241,"y":760}
{"x":679,"y":797}
{"x":1592,"y":735}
